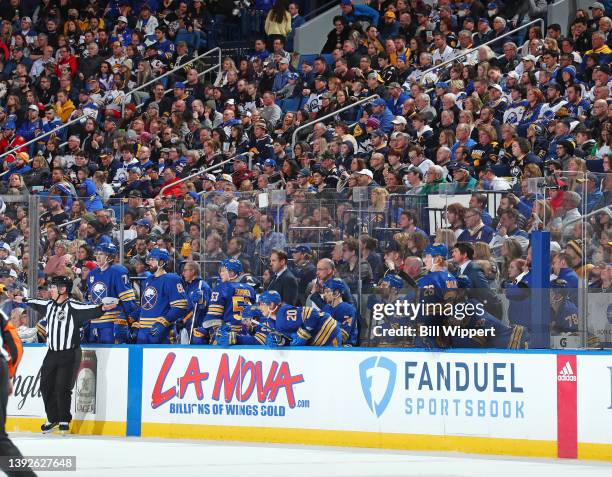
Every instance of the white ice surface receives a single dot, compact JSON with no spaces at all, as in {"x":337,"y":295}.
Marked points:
{"x":134,"y":457}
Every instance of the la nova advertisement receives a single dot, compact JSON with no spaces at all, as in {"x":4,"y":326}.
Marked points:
{"x":351,"y":397}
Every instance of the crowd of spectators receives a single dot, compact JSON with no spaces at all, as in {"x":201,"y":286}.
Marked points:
{"x":526,"y":119}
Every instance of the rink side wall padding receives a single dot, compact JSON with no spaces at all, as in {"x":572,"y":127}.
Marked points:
{"x":536,"y":403}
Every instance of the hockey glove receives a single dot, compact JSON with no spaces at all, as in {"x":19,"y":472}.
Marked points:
{"x":274,"y":341}
{"x":157,"y":329}
{"x":297,"y":340}
{"x":225,"y":336}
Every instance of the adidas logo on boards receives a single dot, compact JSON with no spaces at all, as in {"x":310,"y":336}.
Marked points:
{"x":566,"y":373}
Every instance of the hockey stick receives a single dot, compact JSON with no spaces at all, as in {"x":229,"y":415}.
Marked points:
{"x":271,"y":330}
{"x":193,"y":317}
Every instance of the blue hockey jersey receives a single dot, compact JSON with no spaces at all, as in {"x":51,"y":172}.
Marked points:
{"x":346,"y":315}
{"x":316,"y":326}
{"x":226,"y":304}
{"x":112,"y":282}
{"x":163,"y":299}
{"x":504,"y":336}
{"x":198,"y":293}
{"x":436,"y":286}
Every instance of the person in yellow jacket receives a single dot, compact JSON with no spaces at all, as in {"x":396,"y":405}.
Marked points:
{"x":278,"y":21}
{"x":598,"y":42}
{"x":64,"y":106}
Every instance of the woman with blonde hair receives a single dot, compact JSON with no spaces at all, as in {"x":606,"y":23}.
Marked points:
{"x":577,"y":171}
{"x":413,"y":243}
{"x":447,"y":237}
{"x":379,"y":199}
{"x":510,"y":250}
{"x":541,"y":216}
{"x":228,"y":66}
{"x":484,"y":258}
{"x":105,"y":190}
{"x":319,"y":146}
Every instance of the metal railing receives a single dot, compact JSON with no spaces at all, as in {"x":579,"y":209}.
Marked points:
{"x":196,"y":174}
{"x":202,"y":73}
{"x":330,"y":115}
{"x":172,"y":71}
{"x":316,"y":11}
{"x":494,"y":40}
{"x":48,"y":133}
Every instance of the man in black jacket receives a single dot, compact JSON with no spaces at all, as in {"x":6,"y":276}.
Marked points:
{"x":462,"y":255}
{"x":284,"y":281}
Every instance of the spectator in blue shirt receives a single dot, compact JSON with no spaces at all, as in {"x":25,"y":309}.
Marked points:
{"x":381,"y":112}
{"x":396,"y":100}
{"x":281,"y":78}
{"x":389,"y":26}
{"x":352,"y":13}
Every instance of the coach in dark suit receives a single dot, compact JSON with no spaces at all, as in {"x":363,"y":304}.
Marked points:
{"x":462,"y":254}
{"x":284,"y":282}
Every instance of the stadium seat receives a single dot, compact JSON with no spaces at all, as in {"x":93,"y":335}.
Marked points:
{"x":291,"y":104}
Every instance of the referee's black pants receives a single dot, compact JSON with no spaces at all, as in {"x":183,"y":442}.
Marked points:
{"x":57,"y":377}
{"x":7,"y":448}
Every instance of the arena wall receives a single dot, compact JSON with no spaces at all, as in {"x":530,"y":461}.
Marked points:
{"x":526,"y":403}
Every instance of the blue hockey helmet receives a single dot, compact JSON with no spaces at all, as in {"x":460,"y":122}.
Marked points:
{"x":334,"y":284}
{"x":107,"y":248}
{"x":436,"y":249}
{"x":270,"y":297}
{"x":159,"y":254}
{"x":394,"y":281}
{"x":233,"y":265}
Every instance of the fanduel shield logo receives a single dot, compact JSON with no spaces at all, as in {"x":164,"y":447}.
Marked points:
{"x":377,"y":376}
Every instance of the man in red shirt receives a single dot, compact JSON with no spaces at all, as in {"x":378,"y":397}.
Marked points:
{"x":241,"y":171}
{"x":170,"y":178}
{"x":66,"y":59}
{"x":10,"y":139}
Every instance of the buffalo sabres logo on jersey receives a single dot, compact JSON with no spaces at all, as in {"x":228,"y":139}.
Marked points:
{"x":149,"y":298}
{"x":512,"y":118}
{"x":98,"y":291}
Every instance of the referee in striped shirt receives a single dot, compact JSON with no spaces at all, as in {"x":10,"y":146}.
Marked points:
{"x":65,"y":317}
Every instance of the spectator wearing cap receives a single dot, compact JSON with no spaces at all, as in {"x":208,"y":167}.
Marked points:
{"x":598,"y":10}
{"x":414,"y":181}
{"x":32,"y":126}
{"x":353,"y":12}
{"x":10,"y":139}
{"x":389,"y":26}
{"x":484,"y":33}
{"x":17,"y":58}
{"x":381,"y":112}
{"x":397,"y":97}
{"x":281,"y":78}
{"x":462,"y":178}
{"x":492,"y":182}
{"x":261,"y":144}
{"x":10,"y":232}
{"x":241,"y":171}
